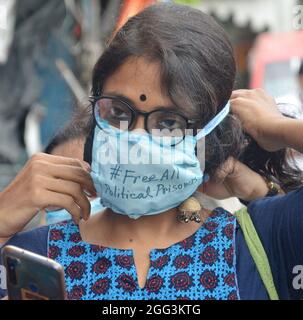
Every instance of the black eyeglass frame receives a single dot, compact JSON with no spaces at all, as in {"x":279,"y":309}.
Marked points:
{"x":135,"y":112}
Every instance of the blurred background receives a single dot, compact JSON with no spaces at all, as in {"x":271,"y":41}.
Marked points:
{"x":48,"y":49}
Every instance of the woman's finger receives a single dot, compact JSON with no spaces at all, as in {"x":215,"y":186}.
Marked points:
{"x":67,"y":173}
{"x":69,"y":188}
{"x":240,"y":102}
{"x":225,"y":169}
{"x":51,"y":198}
{"x":241,"y":93}
{"x":60,"y":160}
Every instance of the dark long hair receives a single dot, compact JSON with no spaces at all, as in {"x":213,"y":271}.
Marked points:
{"x":197,"y":72}
{"x":277,"y":166}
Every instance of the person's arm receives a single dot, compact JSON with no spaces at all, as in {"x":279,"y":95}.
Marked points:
{"x":290,"y":132}
{"x":261,"y":119}
{"x":44,"y":181}
{"x":279,"y":223}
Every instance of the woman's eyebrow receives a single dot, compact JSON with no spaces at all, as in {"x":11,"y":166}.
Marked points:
{"x":132,"y":103}
{"x":120,"y":96}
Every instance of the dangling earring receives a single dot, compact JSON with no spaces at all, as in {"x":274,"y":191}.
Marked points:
{"x":189,"y":210}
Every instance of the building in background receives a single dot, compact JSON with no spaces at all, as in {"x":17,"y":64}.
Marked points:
{"x":244,"y":20}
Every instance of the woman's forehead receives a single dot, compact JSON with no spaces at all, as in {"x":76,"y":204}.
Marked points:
{"x":139,"y":80}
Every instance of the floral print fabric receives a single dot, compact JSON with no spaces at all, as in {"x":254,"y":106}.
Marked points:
{"x":200,"y":267}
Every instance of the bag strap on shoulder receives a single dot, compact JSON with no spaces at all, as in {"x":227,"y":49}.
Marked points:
{"x":257,"y":251}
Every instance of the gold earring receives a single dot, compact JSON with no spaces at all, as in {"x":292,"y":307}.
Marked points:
{"x":189,"y":210}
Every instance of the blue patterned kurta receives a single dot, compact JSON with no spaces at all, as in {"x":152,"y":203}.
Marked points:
{"x":202,"y":266}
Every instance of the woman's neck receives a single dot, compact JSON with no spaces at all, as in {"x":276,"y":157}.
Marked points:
{"x":111,"y":229}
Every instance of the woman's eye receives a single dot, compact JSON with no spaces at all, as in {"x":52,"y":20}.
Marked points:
{"x":118,"y":112}
{"x":169,"y":124}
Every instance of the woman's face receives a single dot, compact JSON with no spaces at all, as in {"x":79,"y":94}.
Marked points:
{"x":123,"y":180}
{"x":138,"y":78}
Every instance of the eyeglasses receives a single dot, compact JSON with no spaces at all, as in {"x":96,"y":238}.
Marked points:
{"x":159,"y":122}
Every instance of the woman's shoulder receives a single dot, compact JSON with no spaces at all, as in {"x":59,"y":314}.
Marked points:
{"x":34,"y":240}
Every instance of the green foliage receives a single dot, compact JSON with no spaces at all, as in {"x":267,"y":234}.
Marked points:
{"x":188,"y":2}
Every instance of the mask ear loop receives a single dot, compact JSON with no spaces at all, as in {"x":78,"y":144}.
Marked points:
{"x":213,"y":123}
{"x":190,"y":209}
{"x":88,"y":146}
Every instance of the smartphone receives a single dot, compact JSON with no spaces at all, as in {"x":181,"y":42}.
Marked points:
{"x":31,"y":276}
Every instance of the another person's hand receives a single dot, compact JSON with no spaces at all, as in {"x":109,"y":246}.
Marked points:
{"x":260,"y":117}
{"x":234,"y":179}
{"x":45,"y":181}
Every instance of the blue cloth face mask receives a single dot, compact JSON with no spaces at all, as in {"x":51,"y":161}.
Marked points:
{"x":139,"y":175}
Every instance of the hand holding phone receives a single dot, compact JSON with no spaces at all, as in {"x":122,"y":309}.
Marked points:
{"x":31,"y":276}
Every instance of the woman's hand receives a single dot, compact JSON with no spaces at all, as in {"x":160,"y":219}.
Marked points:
{"x":260,"y":117}
{"x":234,"y":179}
{"x":44,"y":181}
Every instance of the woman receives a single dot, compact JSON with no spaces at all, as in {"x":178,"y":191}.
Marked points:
{"x":170,"y":67}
